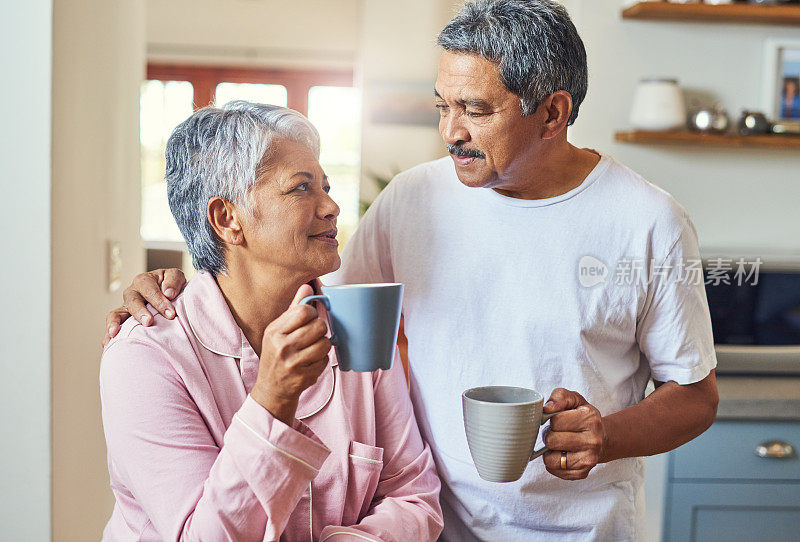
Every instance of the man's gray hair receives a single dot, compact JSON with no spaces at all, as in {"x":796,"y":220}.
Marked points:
{"x":534,"y":41}
{"x":220,"y":152}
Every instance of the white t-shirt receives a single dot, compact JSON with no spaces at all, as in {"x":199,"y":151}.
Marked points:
{"x":501,"y":291}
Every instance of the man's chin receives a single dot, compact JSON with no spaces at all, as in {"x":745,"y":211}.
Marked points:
{"x":473,"y":179}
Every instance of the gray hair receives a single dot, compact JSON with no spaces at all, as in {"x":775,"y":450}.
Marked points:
{"x":220,"y":152}
{"x":534,"y":41}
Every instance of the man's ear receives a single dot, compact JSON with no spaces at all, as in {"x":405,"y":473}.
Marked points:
{"x":224,"y":218}
{"x":557,"y":109}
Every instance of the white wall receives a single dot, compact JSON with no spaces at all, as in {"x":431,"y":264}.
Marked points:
{"x":98,"y":66}
{"x":291,"y":33}
{"x":398,"y":45}
{"x":25,"y":272}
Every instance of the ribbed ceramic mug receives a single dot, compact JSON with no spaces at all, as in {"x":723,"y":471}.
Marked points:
{"x":502,"y":424}
{"x":364,"y":320}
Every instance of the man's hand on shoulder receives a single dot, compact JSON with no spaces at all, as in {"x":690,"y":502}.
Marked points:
{"x":157,"y":287}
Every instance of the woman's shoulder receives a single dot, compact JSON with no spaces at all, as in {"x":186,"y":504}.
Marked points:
{"x":151,"y":349}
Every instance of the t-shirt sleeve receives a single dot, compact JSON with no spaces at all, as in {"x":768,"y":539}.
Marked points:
{"x":367,"y":257}
{"x":674,"y":327}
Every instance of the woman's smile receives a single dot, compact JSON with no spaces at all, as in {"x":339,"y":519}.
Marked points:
{"x":328,"y":237}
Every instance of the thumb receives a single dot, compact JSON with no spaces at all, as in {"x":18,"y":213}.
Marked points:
{"x":562,"y":399}
{"x":302,"y":292}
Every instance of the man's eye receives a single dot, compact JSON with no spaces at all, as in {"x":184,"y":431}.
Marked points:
{"x":475,"y":114}
{"x":327,"y":189}
{"x":303,"y":187}
{"x":441,"y":107}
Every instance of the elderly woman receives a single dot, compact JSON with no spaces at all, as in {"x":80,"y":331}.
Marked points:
{"x":232,"y":421}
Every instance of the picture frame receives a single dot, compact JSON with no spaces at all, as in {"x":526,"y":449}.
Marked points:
{"x":781,"y":83}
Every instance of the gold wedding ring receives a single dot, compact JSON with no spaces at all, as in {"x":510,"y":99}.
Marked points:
{"x":563,"y":460}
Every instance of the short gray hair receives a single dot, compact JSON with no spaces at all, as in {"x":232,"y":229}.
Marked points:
{"x":534,"y":41}
{"x":220,"y":152}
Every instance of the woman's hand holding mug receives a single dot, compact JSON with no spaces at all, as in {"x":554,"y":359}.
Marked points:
{"x":294,"y":353}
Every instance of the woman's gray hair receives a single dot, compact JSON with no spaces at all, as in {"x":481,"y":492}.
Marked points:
{"x":220,"y":152}
{"x":534,"y":41}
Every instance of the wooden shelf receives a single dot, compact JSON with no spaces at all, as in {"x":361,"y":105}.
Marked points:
{"x":710,"y":13}
{"x":684,"y":137}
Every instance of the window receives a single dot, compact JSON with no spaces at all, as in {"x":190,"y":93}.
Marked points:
{"x":164,"y":104}
{"x":336,"y":112}
{"x":171,"y":93}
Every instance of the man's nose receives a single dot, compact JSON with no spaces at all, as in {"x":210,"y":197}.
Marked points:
{"x":453,"y":130}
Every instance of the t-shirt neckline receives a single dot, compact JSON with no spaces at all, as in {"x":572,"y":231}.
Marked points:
{"x":598,"y":170}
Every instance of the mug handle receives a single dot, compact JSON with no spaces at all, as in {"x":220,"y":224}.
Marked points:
{"x":544,"y":449}
{"x":326,"y":301}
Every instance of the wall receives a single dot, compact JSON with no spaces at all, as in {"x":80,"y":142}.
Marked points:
{"x":98,"y":64}
{"x":398,"y":45}
{"x":25,"y":273}
{"x":289,"y":33}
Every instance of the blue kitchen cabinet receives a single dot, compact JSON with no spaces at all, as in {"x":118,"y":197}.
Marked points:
{"x":720,"y":489}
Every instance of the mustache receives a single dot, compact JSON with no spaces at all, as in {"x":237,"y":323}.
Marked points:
{"x":465,"y":153}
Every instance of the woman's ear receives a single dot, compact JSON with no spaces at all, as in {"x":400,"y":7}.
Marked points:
{"x":224,"y":218}
{"x":558,"y":108}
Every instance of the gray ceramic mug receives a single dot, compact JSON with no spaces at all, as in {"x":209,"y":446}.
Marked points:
{"x":502,"y":424}
{"x":364,"y":320}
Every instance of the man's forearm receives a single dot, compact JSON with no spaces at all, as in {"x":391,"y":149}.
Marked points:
{"x":670,"y":416}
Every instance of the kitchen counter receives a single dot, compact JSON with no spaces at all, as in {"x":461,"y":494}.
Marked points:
{"x":758,"y":398}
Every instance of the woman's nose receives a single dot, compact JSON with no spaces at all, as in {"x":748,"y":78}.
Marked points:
{"x":328,"y":210}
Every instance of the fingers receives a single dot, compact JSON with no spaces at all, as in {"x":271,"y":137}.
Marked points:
{"x":580,"y":433}
{"x":573,"y":435}
{"x":302,"y":292}
{"x":293,"y":319}
{"x":578,"y":465}
{"x":314,"y":370}
{"x":114,"y":321}
{"x":172,"y":283}
{"x":308,"y":334}
{"x":577,"y":419}
{"x":562,"y":399}
{"x":296,"y":316}
{"x":148,"y":286}
{"x":135,"y":304}
{"x":315,"y":353}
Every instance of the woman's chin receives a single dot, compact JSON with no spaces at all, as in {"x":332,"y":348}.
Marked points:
{"x":335,"y":265}
{"x":328,"y":265}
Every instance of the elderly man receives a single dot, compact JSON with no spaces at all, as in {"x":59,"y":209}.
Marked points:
{"x":528,"y":261}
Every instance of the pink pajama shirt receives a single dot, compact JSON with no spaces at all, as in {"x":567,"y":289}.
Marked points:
{"x":192,"y":456}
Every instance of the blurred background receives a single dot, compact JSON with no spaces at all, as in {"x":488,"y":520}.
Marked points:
{"x":92,"y":89}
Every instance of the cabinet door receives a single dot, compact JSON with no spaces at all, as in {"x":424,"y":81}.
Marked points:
{"x":728,"y":451}
{"x":732,"y":512}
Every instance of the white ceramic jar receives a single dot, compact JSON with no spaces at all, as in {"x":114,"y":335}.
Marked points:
{"x":658,"y":104}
